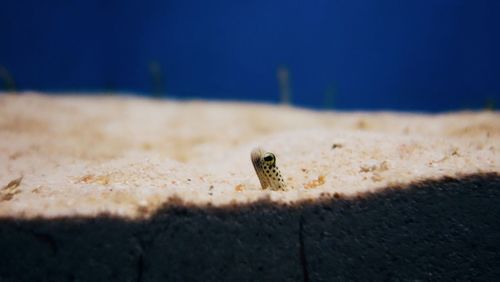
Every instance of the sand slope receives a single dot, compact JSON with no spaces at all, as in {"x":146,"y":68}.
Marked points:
{"x":127,"y":189}
{"x":127,"y":156}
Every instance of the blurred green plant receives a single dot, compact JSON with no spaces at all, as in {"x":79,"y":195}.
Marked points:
{"x":7,"y":78}
{"x":157,"y":78}
{"x":330,"y":93}
{"x":110,"y":88}
{"x":283,"y":76}
{"x":490,"y":104}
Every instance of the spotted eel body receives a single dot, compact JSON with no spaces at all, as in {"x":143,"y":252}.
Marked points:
{"x":267,"y":171}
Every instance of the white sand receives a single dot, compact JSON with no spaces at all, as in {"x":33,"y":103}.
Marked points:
{"x":82,"y":155}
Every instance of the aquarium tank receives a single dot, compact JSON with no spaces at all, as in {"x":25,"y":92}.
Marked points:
{"x":328,"y":140}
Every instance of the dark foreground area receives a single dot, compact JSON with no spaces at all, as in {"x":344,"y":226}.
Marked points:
{"x":445,"y":230}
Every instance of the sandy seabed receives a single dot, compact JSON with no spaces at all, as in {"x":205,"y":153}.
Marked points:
{"x":124,"y":188}
{"x":81,"y":155}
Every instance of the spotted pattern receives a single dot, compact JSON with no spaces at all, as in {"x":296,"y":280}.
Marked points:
{"x":267,"y":171}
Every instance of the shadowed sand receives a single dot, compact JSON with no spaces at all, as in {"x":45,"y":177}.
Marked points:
{"x":128,"y":189}
{"x":440,"y":230}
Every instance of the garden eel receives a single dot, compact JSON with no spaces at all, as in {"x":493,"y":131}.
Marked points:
{"x":266,"y":169}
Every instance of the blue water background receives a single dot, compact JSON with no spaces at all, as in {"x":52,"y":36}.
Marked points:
{"x":427,"y":55}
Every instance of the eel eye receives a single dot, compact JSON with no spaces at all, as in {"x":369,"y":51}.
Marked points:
{"x":269,"y":157}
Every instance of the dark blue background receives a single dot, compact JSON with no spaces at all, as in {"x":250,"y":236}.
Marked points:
{"x":380,"y":54}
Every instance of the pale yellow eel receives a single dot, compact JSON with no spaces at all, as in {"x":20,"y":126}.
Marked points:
{"x":267,"y":171}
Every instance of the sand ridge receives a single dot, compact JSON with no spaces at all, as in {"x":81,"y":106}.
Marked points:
{"x":82,"y":155}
